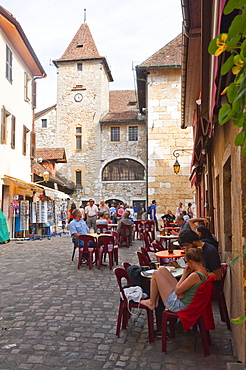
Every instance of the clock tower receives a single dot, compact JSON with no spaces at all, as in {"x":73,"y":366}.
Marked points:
{"x":83,"y":78}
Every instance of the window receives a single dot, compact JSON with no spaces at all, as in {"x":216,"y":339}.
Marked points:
{"x":9,"y":62}
{"x":78,"y":178}
{"x":79,"y":67}
{"x":123,"y":170}
{"x":78,"y":138}
{"x":13,"y":132}
{"x":44,"y":122}
{"x":115,"y":134}
{"x":133,"y":133}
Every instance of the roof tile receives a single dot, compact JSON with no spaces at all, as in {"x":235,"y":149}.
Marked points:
{"x":122,"y":106}
{"x":82,"y":45}
{"x":169,"y":55}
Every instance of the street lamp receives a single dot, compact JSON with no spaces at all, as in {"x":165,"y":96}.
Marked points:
{"x":176,"y":166}
{"x":45,"y":174}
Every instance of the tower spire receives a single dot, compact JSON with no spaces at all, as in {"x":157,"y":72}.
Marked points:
{"x":84,"y":15}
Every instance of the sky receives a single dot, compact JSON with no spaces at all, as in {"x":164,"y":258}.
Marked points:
{"x":126,"y":32}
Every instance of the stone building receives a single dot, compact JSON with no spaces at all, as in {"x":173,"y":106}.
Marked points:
{"x":101,"y":131}
{"x":159,"y":91}
{"x":219,"y":165}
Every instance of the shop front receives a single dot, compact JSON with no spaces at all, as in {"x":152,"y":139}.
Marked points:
{"x":32,"y":210}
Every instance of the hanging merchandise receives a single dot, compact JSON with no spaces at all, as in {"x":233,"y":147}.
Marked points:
{"x":24,"y":215}
{"x":4,"y":234}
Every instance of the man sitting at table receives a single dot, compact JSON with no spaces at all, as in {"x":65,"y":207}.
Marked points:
{"x":78,"y":227}
{"x":125,"y":221}
{"x":210,"y":255}
{"x":102,"y":220}
{"x":183,"y":225}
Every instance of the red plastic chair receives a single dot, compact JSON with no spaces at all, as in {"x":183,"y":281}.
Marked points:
{"x":142,"y":260}
{"x":125,"y":265}
{"x":199,"y":312}
{"x":86,"y":249}
{"x":146,"y":255}
{"x":123,"y":313}
{"x":220,"y":297}
{"x":105,"y":244}
{"x":125,"y":235}
{"x":149,"y":226}
{"x":138,"y":228}
{"x":149,"y":245}
{"x":102,"y":228}
{"x":116,"y":241}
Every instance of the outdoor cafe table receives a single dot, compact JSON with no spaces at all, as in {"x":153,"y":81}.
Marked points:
{"x":175,"y":271}
{"x":168,"y":239}
{"x":166,"y":254}
{"x":112,"y":226}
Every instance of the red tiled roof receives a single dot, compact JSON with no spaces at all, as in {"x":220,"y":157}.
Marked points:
{"x":82,"y":45}
{"x":122,"y":106}
{"x":57,"y":154}
{"x":169,"y":55}
{"x":44,"y":111}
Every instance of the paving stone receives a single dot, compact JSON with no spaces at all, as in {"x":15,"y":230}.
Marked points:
{"x":62,"y":318}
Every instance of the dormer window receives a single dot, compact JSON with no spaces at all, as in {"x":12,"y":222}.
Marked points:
{"x":132,"y":103}
{"x":80,"y":45}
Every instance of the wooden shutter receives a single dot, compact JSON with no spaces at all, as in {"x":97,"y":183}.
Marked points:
{"x":34,"y":91}
{"x":24,"y":141}
{"x":3,"y":128}
{"x":33,"y":144}
{"x":13,"y":132}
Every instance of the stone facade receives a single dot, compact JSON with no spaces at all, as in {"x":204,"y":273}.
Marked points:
{"x":83,"y":120}
{"x":159,"y":95}
{"x":164,"y":136}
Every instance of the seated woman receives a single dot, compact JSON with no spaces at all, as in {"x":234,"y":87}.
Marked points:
{"x":177,"y":295}
{"x":206,"y":236}
{"x":107,"y":218}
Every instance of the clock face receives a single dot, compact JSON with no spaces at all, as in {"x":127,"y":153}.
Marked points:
{"x":78,"y":97}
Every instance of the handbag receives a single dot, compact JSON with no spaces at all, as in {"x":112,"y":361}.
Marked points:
{"x":135,"y":294}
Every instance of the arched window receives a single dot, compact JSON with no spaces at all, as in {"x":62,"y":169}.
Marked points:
{"x":123,"y":170}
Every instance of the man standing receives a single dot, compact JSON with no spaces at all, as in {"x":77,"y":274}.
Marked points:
{"x":78,"y":227}
{"x":153,"y":214}
{"x":91,"y":212}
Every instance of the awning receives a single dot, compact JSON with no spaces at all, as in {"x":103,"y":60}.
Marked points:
{"x":54,"y":194}
{"x":21,"y":183}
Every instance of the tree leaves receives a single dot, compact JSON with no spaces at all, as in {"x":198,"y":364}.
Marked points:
{"x":225,"y":114}
{"x":233,"y":4}
{"x":238,"y":320}
{"x":227,"y":65}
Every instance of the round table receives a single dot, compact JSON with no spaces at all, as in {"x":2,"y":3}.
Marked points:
{"x":166,"y":254}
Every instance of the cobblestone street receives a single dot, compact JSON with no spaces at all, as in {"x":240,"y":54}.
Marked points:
{"x":54,"y":316}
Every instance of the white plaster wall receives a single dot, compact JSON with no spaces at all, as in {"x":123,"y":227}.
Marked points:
{"x":13,"y":163}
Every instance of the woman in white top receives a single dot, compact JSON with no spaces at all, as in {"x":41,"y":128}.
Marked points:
{"x":103,"y":207}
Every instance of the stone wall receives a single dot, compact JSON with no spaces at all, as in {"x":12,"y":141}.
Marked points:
{"x":223,"y":152}
{"x":46,"y":137}
{"x":164,"y":136}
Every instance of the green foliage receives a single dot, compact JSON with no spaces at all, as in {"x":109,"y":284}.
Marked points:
{"x":234,"y":42}
{"x":240,"y":319}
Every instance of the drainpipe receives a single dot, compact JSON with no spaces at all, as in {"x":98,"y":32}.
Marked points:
{"x":210,"y":187}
